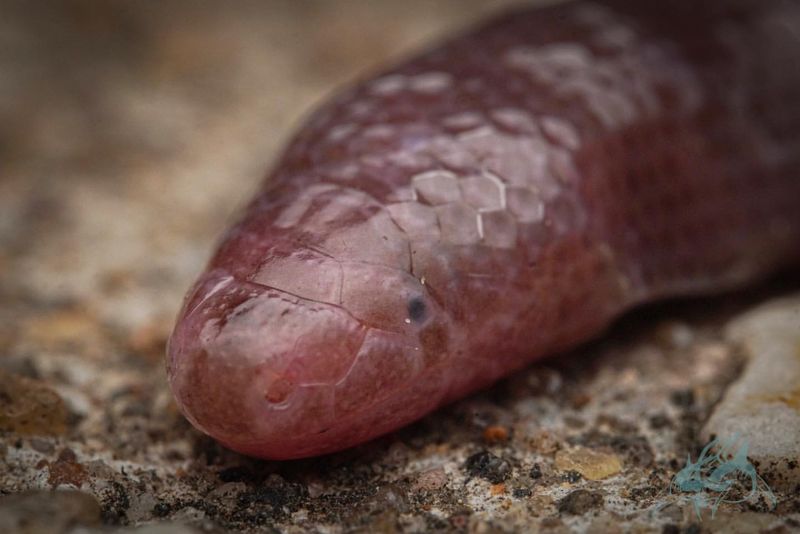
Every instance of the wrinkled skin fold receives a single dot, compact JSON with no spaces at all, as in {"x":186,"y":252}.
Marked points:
{"x":496,"y":199}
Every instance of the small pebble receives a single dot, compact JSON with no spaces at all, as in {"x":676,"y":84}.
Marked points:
{"x":544,"y":442}
{"x":430,"y":480}
{"x":495,"y":434}
{"x":30,"y":407}
{"x":521,"y":493}
{"x":488,"y":466}
{"x":580,"y":501}
{"x":66,"y":470}
{"x":497,"y":489}
{"x":536,"y":471}
{"x":591,"y":464}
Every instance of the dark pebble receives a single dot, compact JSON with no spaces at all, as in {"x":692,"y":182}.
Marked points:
{"x":536,"y":471}
{"x":580,"y":501}
{"x":521,"y":493}
{"x":488,"y":467}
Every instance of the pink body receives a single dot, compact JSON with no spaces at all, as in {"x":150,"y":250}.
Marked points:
{"x":494,"y":200}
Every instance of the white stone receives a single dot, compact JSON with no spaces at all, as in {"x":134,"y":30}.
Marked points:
{"x":763,"y":406}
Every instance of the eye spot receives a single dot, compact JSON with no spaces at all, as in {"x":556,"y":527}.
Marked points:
{"x":417,"y":309}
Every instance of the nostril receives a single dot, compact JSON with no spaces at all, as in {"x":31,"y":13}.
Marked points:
{"x":278,"y":391}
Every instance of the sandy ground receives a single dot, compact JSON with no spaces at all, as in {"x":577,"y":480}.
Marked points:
{"x":130,"y":134}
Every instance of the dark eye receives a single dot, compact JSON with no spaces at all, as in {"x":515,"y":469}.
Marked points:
{"x":417,"y":309}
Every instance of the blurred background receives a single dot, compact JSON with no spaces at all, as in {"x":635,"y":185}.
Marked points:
{"x":130,"y":133}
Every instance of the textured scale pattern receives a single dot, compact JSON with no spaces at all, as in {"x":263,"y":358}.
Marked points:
{"x":494,"y":200}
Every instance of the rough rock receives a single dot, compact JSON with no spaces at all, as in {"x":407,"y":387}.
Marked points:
{"x":763,"y":406}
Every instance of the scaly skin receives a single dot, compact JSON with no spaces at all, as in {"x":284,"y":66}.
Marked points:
{"x":490,"y":202}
